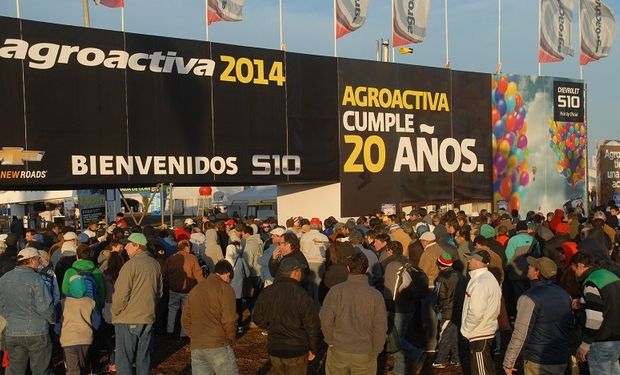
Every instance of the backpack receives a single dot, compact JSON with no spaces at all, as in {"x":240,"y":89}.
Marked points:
{"x":91,"y":292}
{"x":411,"y":283}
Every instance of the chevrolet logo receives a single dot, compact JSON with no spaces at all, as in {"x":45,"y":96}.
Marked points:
{"x":17,"y":155}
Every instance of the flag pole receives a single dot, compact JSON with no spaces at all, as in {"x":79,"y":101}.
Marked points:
{"x":393,"y":51}
{"x":281,"y":36}
{"x":123,"y":18}
{"x":580,"y":66}
{"x":17,"y":8}
{"x":85,"y":13}
{"x":446,"y":21}
{"x":335,"y":32}
{"x":499,"y":37}
{"x":207,"y":20}
{"x":539,"y":26}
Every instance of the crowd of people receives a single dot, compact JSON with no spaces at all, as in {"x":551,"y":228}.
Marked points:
{"x":484,"y":293}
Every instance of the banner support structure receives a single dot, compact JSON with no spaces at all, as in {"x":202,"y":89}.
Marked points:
{"x":123,"y":18}
{"x":499,"y":37}
{"x":207,"y":20}
{"x":446,"y":21}
{"x":85,"y":13}
{"x":335,"y":32}
{"x":539,"y":25}
{"x":281,"y":32}
{"x":17,"y":8}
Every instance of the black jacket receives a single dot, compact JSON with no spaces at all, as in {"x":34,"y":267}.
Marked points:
{"x":451,"y":285}
{"x":286,"y":311}
{"x":8,"y":260}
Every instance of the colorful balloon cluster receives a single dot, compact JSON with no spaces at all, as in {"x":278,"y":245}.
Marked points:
{"x":510,"y":153}
{"x":568,"y":142}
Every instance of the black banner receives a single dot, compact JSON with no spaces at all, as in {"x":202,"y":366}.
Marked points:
{"x":412,"y":134}
{"x":87,"y":107}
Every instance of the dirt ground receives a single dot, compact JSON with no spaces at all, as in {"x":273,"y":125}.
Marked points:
{"x":172,"y":356}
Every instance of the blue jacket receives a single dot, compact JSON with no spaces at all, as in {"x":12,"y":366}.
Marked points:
{"x":263,"y":260}
{"x":544,"y":319}
{"x":26,"y":303}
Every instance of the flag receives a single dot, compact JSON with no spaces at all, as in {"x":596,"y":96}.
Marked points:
{"x":350,"y":16}
{"x":410,"y":21}
{"x":598,"y":30}
{"x":225,"y":10}
{"x":556,"y":19}
{"x":111,"y":3}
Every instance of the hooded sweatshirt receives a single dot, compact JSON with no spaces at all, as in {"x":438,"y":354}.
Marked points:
{"x":212,"y":251}
{"x":85,"y":265}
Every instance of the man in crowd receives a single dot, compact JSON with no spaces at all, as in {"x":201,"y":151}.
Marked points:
{"x":181,"y":273}
{"x":544,"y":318}
{"x":313,"y":245}
{"x":600,"y":344}
{"x":480,"y":311}
{"x":26,"y":304}
{"x":354,"y":322}
{"x":288,"y":247}
{"x":428,"y":264}
{"x":288,"y":314}
{"x":209,"y":319}
{"x":138,"y":288}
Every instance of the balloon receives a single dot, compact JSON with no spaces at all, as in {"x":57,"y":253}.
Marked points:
{"x":511,"y":89}
{"x":501,"y":106}
{"x":513,"y":161}
{"x":523,"y":129}
{"x":497,"y":96}
{"x":499,"y":162}
{"x":510,"y":138}
{"x":515,"y":202}
{"x":520,"y":156}
{"x":495,"y":116}
{"x":519,"y":102}
{"x":499,"y":129}
{"x":511,"y":123}
{"x":510,"y":103}
{"x":504,"y":148}
{"x":522,"y":141}
{"x":494,"y":174}
{"x":506,"y":187}
{"x":205,"y":191}
{"x":524,"y":178}
{"x":502,"y":85}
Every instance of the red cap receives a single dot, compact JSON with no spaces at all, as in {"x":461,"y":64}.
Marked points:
{"x":230,"y":222}
{"x":562,"y":228}
{"x":315,"y":221}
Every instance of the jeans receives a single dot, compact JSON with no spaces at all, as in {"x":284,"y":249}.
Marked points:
{"x":315,"y":275}
{"x":448,"y":343}
{"x":407,"y":350}
{"x":133,"y":344}
{"x":176,"y":302}
{"x":36,"y":349}
{"x":76,"y":359}
{"x":429,"y":320}
{"x":603,"y":357}
{"x":220,"y":361}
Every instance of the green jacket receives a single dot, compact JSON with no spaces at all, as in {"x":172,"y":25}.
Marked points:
{"x":86,"y":265}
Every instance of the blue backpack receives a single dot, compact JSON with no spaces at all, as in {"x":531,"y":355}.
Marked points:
{"x":91,"y":292}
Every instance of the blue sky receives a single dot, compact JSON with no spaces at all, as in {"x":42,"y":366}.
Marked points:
{"x":308,"y":28}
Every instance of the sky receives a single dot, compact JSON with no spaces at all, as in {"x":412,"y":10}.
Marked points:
{"x":308,"y":28}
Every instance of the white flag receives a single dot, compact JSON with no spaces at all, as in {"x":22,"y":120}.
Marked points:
{"x":410,"y":21}
{"x":556,"y":20}
{"x":350,"y":16}
{"x":598,"y":30}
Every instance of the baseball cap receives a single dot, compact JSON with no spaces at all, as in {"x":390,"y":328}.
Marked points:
{"x":27,"y":253}
{"x":479,"y":255}
{"x":414,"y":213}
{"x":189,"y":221}
{"x":315,"y":221}
{"x":445,"y":259}
{"x":137,"y":238}
{"x":69,"y":236}
{"x":428,"y":236}
{"x":230,"y":222}
{"x":546,"y":266}
{"x":487,"y":231}
{"x":290,"y":264}
{"x":355,"y":235}
{"x":277,"y":231}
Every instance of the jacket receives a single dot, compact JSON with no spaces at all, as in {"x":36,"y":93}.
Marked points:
{"x":354,"y":318}
{"x":288,"y":313}
{"x":481,"y":306}
{"x":209,"y":315}
{"x":450,"y":285}
{"x":313,"y":245}
{"x":600,"y":290}
{"x":137,"y":290}
{"x":240,"y":268}
{"x":25,"y":303}
{"x":402,"y":304}
{"x":251,"y":252}
{"x":85,"y":265}
{"x":8,"y":259}
{"x":428,"y":262}
{"x":401,"y":236}
{"x":77,"y":327}
{"x":544,"y":319}
{"x":274,"y":264}
{"x":182,"y":272}
{"x":213,"y":251}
